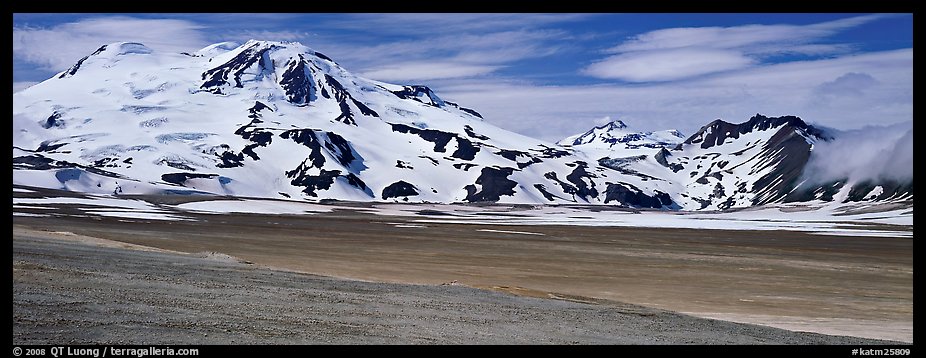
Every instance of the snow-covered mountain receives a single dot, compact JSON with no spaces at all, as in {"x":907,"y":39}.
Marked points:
{"x":272,"y":119}
{"x":725,"y":165}
{"x":278,"y":119}
{"x":616,"y":135}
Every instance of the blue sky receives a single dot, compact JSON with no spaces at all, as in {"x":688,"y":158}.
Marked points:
{"x":552,"y":75}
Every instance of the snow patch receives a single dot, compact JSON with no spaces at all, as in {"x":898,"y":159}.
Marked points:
{"x":253,"y":207}
{"x":31,"y":215}
{"x":140,"y":215}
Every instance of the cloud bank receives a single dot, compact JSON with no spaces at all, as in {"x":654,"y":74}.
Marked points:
{"x":870,"y":153}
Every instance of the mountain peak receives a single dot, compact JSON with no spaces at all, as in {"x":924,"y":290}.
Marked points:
{"x":616,"y":133}
{"x":127,"y":48}
{"x":613,"y":125}
{"x":762,"y":122}
{"x":420,"y":93}
{"x":292,"y":45}
{"x":217,"y":48}
{"x":108,"y":53}
{"x":718,"y":130}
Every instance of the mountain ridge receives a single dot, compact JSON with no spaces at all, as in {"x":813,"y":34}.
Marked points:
{"x":278,"y":119}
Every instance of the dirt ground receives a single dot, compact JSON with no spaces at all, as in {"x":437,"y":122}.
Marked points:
{"x":857,"y":286}
{"x":69,"y":289}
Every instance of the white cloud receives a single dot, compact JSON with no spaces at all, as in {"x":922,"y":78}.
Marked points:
{"x":21,"y":85}
{"x":554,"y":112}
{"x":750,"y":38}
{"x":667,"y":65}
{"x":603,"y":120}
{"x":873,"y":152}
{"x":850,"y":84}
{"x":442,"y":56}
{"x":480,"y":44}
{"x":404,"y":72}
{"x":421,"y":24}
{"x":476,"y":48}
{"x":244,"y":36}
{"x":57,"y":48}
{"x":679,"y":53}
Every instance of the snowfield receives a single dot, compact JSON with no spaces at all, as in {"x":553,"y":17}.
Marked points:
{"x":820,"y":217}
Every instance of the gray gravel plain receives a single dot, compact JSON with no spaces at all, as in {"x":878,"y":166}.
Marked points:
{"x":67,"y":292}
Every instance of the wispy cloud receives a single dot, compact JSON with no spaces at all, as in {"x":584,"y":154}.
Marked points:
{"x":483,"y":48}
{"x":680,"y":53}
{"x":424,"y":24}
{"x":666,"y":65}
{"x":852,"y":84}
{"x":478,"y":43}
{"x":404,"y":72}
{"x":21,"y":85}
{"x":244,"y":36}
{"x":58,"y":47}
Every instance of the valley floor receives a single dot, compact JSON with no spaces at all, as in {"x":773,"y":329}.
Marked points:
{"x":394,"y":279}
{"x":71,"y":289}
